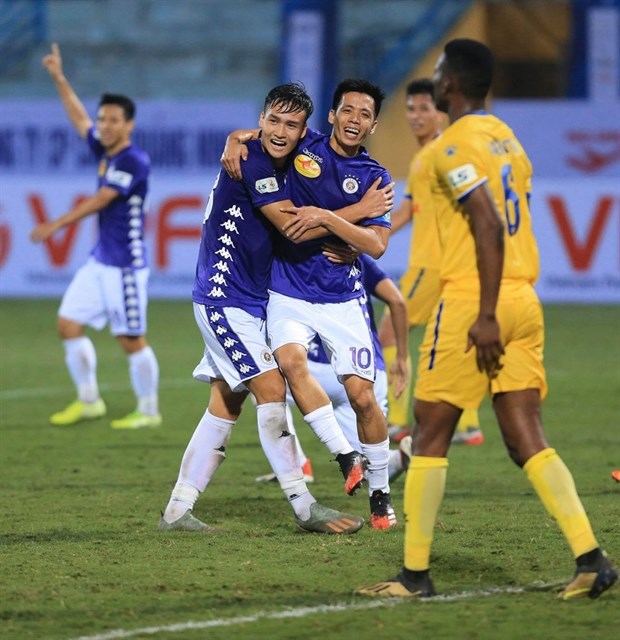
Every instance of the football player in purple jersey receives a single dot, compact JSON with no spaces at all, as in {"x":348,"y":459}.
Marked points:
{"x":112,"y":285}
{"x":311,"y":294}
{"x":230,"y":302}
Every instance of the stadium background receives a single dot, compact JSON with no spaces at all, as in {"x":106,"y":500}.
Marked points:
{"x":200,"y":68}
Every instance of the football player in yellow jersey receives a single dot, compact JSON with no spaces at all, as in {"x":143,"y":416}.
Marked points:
{"x":420,"y":283}
{"x":486,"y":332}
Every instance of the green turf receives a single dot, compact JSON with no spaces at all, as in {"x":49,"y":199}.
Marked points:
{"x":81,"y":556}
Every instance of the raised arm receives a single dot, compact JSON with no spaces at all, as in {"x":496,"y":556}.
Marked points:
{"x":73,"y":106}
{"x":84,"y":208}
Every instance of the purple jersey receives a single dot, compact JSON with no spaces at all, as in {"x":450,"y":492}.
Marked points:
{"x":321,"y":177}
{"x":236,"y":248}
{"x":372,"y":275}
{"x":121,"y":223}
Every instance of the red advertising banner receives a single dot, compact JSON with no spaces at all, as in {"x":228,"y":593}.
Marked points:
{"x":577,"y":223}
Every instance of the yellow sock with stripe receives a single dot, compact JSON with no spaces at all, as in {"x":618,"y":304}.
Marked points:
{"x":469,"y":418}
{"x":424,"y":490}
{"x":398,"y":408}
{"x":555,"y":487}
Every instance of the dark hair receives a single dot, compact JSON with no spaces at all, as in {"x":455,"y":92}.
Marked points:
{"x":359,"y":86}
{"x":421,"y":85}
{"x":127,"y":104}
{"x":472,"y":62}
{"x":292,"y":97}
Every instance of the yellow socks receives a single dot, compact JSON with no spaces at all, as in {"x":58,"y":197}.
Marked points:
{"x":398,"y":408}
{"x":555,"y":487}
{"x":424,"y":490}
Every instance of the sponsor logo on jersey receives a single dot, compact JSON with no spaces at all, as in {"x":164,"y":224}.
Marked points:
{"x":266,"y":185}
{"x":350,"y":184}
{"x":462,"y":175}
{"x":121,"y":178}
{"x":307,"y":166}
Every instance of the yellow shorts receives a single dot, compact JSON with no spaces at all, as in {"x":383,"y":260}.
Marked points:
{"x":447,"y":374}
{"x":420,"y":288}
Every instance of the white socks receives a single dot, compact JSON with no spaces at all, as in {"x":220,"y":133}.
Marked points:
{"x":204,"y":454}
{"x":323,"y":422}
{"x":378,"y":456}
{"x":144,"y":374}
{"x":81,"y":360}
{"x":281,"y":450}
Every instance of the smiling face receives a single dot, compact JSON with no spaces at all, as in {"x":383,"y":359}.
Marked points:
{"x":281,"y":131}
{"x":353,"y":121}
{"x":113,"y":128}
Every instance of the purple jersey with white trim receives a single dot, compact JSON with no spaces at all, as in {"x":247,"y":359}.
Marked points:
{"x":236,"y":248}
{"x":321,"y":177}
{"x":121,"y":223}
{"x":372,"y":275}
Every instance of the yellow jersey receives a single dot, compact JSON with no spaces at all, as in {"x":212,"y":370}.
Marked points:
{"x":479,"y":148}
{"x":424,"y":248}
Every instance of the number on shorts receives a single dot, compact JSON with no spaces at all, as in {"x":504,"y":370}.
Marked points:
{"x":360,"y":357}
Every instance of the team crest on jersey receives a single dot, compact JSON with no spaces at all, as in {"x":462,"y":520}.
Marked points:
{"x":266,"y":185}
{"x":102,"y":166}
{"x":266,"y":356}
{"x":450,"y":150}
{"x":307,"y":166}
{"x":350,"y":184}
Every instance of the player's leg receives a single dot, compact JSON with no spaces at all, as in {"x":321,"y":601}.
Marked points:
{"x":306,"y":464}
{"x":125,"y":292}
{"x":82,"y":304}
{"x":518,"y":413}
{"x":144,"y":376}
{"x":424,"y":491}
{"x":375,"y":445}
{"x":281,"y":450}
{"x":203,"y":456}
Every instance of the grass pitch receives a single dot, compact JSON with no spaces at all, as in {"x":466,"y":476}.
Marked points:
{"x":81,"y":557}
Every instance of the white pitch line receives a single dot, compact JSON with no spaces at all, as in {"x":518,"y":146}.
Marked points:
{"x":21,"y":394}
{"x":302,"y":612}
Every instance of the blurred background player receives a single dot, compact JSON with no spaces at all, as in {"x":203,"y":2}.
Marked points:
{"x":420,"y":283}
{"x":488,"y":269}
{"x":112,"y":285}
{"x":376,"y":283}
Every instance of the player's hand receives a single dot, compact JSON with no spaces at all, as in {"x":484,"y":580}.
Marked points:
{"x":302,"y":220}
{"x":399,"y":376}
{"x":235,"y":150}
{"x":378,"y":201}
{"x":340,"y":253}
{"x":484,"y":334}
{"x":53,"y":62}
{"x":43,"y":231}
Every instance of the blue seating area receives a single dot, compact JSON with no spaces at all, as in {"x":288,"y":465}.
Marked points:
{"x":193,"y":48}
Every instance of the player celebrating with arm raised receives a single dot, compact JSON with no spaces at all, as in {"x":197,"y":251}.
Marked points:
{"x":112,"y":285}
